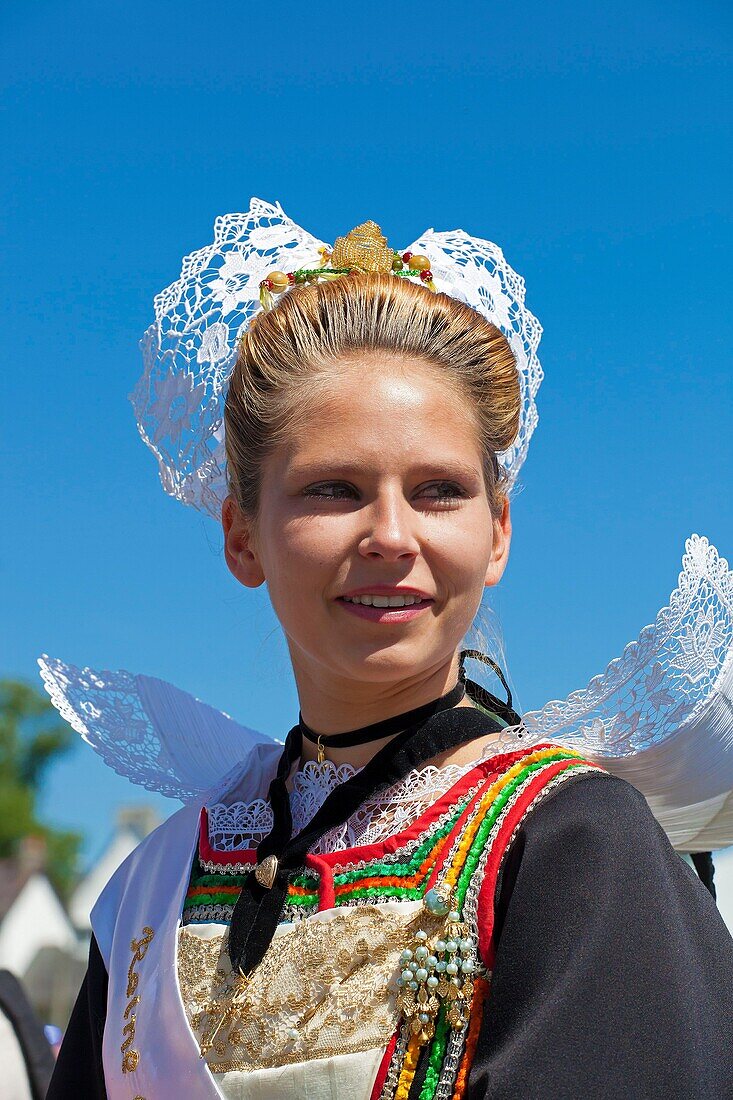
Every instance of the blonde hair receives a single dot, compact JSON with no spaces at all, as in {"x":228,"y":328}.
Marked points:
{"x":289,"y":354}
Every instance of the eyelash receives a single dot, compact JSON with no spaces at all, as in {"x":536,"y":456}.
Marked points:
{"x":456,"y":493}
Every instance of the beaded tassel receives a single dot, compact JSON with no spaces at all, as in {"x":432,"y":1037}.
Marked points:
{"x":437,"y":972}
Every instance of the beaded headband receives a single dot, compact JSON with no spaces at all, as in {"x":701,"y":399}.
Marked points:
{"x":362,"y":250}
{"x":190,"y":349}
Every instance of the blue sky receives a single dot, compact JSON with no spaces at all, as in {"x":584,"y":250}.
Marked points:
{"x":591,"y":142}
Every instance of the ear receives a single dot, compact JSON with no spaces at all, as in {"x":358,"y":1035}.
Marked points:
{"x":239,"y":548}
{"x":502,"y":531}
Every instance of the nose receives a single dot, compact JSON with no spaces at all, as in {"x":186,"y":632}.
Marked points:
{"x":390,"y":530}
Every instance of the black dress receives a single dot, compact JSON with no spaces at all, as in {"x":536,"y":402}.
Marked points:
{"x":613,"y":974}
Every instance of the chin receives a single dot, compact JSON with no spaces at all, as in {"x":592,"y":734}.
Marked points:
{"x":394,"y":663}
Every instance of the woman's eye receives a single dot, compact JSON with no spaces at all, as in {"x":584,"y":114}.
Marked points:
{"x":330,"y":490}
{"x":442,"y":491}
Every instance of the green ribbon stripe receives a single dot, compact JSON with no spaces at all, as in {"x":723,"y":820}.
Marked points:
{"x":302,"y":899}
{"x":474,"y":853}
{"x":210,"y":899}
{"x":378,"y":867}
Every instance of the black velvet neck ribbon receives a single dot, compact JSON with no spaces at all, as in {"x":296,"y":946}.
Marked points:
{"x":377,"y":730}
{"x":258,"y":909}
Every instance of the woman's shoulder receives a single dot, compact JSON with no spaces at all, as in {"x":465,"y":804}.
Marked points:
{"x":595,"y":810}
{"x":596,"y":788}
{"x":594,"y":836}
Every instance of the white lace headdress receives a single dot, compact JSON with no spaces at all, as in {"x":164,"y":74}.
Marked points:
{"x":190,"y":349}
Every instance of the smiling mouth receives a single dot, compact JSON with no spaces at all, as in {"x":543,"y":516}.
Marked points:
{"x":386,"y":609}
{"x":366,"y":600}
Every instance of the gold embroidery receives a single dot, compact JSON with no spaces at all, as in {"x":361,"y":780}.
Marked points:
{"x":228,"y":1015}
{"x":130,"y":1056}
{"x":324,"y":987}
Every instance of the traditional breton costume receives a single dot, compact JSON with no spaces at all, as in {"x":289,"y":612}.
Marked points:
{"x":517,"y":926}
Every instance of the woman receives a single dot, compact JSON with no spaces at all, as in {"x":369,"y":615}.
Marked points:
{"x":417,"y":906}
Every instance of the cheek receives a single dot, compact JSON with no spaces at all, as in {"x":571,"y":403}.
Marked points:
{"x":316,"y":545}
{"x":462,"y":554}
{"x":303,"y":555}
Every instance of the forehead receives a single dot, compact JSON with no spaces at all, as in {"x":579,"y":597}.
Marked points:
{"x":384,"y":410}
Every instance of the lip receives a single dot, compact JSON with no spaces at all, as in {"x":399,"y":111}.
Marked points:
{"x":387,"y":615}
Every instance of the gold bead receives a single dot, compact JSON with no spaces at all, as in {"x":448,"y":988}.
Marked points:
{"x":279,"y":281}
{"x":419,"y":263}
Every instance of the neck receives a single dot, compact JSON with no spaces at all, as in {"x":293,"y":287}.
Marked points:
{"x":340,"y":707}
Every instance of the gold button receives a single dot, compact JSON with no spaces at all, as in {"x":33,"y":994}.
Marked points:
{"x":265,"y":872}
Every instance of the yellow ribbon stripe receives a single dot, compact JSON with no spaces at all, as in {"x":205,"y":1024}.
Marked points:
{"x":494,"y":790}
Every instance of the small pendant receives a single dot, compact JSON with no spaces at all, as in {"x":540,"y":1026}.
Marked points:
{"x":321,"y":751}
{"x":437,"y":901}
{"x":266,"y":871}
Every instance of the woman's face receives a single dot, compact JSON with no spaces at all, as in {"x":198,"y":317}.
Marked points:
{"x":377,"y":497}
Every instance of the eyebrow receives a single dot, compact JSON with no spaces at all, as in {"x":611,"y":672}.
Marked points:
{"x":436,"y":468}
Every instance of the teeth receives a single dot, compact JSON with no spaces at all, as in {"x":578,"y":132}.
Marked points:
{"x":384,"y":601}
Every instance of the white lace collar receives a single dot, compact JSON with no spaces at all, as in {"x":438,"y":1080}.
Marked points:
{"x":236,"y":825}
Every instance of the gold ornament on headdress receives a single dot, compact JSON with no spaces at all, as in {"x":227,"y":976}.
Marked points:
{"x":363,"y":250}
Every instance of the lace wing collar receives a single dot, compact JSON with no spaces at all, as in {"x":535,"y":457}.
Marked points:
{"x":157,"y":735}
{"x":661,"y":715}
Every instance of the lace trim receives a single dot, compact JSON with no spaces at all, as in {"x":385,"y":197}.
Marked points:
{"x":153,"y":733}
{"x":663,"y":680}
{"x":208,"y":914}
{"x":240,"y":826}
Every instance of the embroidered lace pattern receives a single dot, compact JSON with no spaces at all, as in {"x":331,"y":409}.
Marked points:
{"x":190,"y":349}
{"x":106,"y":709}
{"x":675,"y":670}
{"x":151,"y":732}
{"x":240,"y":826}
{"x":325,"y":987}
{"x":237,"y":825}
{"x":477,"y":272}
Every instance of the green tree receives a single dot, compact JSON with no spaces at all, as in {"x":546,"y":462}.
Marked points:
{"x":31,"y":737}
